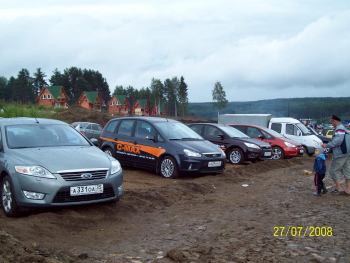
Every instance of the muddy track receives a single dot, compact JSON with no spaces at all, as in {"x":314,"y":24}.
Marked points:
{"x":191,"y":219}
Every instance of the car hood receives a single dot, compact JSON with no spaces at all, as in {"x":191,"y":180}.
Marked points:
{"x":61,"y":158}
{"x":285,"y":139}
{"x":255,"y":141}
{"x":197,"y":146}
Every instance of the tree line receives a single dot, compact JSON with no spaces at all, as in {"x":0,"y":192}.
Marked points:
{"x":173,"y":93}
{"x":24,"y":88}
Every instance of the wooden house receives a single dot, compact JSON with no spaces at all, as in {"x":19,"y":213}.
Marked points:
{"x":118,"y":105}
{"x":91,"y":100}
{"x":53,"y":96}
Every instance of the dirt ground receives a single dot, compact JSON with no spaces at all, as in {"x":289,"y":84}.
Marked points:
{"x":192,"y":219}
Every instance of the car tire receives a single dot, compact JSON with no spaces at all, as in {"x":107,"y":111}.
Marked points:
{"x":8,"y":198}
{"x":108,"y":150}
{"x":235,"y":156}
{"x":168,"y":167}
{"x":277,"y":153}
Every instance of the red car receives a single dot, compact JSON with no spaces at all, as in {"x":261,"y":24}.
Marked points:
{"x":282,"y":147}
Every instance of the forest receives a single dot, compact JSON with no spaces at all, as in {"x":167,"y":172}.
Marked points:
{"x":316,"y":108}
{"x":24,"y":88}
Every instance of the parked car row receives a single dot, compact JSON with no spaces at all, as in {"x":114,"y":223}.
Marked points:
{"x":287,"y":127}
{"x":50,"y":163}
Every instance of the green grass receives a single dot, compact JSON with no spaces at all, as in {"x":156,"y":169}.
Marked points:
{"x":10,"y":110}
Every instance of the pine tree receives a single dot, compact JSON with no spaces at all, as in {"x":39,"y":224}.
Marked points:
{"x":23,"y":90}
{"x":3,"y":84}
{"x":157,"y":90}
{"x":39,"y":81}
{"x":183,"y":96}
{"x":170,"y":87}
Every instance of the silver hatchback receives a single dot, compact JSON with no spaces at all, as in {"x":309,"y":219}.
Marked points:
{"x":48,"y":163}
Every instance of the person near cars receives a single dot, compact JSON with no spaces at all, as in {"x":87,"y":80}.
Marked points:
{"x":340,"y":146}
{"x":320,"y":172}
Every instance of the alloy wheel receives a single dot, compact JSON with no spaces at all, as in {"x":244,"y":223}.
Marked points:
{"x":235,"y":157}
{"x":6,"y":196}
{"x":167,"y":168}
{"x":276,"y":153}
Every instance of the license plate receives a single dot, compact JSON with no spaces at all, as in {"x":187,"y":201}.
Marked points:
{"x":267,"y":153}
{"x":86,"y":190}
{"x":214,"y":164}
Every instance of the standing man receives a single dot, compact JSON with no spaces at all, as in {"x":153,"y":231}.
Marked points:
{"x":340,"y":166}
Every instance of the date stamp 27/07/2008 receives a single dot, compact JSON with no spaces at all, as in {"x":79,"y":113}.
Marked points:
{"x":302,"y":231}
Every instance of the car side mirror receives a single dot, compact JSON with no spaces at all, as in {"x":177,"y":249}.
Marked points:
{"x":153,"y":138}
{"x":261,"y":137}
{"x":94,"y":141}
{"x":221,"y":136}
{"x":299,"y":133}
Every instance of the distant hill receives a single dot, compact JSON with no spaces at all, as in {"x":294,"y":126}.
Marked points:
{"x":316,"y":108}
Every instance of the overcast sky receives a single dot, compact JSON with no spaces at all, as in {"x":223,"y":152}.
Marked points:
{"x":257,"y":49}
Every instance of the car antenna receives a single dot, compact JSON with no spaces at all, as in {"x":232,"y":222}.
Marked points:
{"x":36,"y":120}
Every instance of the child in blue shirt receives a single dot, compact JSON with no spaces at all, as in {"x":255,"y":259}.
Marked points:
{"x":320,"y":171}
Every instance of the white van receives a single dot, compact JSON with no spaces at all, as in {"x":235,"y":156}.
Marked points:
{"x":296,"y":131}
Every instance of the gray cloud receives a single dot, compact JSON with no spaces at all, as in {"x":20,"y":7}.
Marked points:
{"x":256,"y":49}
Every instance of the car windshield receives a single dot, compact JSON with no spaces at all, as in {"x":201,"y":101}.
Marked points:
{"x":233,"y":132}
{"x":273,"y":133}
{"x":304,"y":130}
{"x":177,"y":131}
{"x":312,"y":130}
{"x":43,"y":135}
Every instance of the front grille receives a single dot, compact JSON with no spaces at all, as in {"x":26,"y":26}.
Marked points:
{"x":63,"y":196}
{"x":77,"y":176}
{"x":212,"y":155}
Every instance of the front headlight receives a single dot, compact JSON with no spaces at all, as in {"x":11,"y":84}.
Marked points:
{"x":190,"y":153}
{"x":115,"y":166}
{"x":37,"y":171}
{"x":289,"y":144}
{"x":251,"y":145}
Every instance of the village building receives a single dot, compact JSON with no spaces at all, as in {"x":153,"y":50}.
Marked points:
{"x":91,"y":100}
{"x":53,"y":96}
{"x":118,"y":105}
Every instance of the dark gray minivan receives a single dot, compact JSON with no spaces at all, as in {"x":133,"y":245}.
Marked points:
{"x":48,"y":163}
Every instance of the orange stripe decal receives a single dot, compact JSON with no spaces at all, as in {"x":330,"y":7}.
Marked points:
{"x":135,"y":148}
